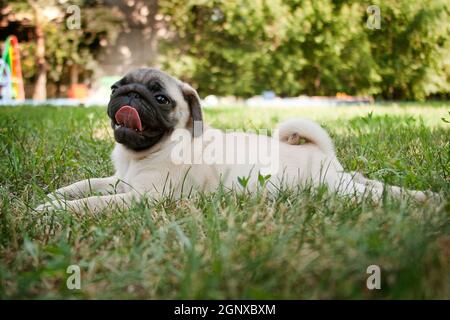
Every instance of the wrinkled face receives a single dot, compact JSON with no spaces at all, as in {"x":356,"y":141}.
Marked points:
{"x":147,"y":104}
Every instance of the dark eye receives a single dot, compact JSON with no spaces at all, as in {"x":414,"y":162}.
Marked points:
{"x":113,"y":89}
{"x":162,"y":99}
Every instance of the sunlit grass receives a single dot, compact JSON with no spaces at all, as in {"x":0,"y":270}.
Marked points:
{"x":302,"y":244}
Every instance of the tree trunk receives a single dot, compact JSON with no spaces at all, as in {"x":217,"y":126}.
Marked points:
{"x":73,"y":74}
{"x":40,"y":87}
{"x":137,"y":45}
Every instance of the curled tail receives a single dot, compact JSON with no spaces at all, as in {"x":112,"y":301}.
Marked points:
{"x":293,"y":130}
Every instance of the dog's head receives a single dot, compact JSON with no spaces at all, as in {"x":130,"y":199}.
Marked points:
{"x":147,"y":104}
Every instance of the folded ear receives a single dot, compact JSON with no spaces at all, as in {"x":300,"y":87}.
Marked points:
{"x":193,"y":101}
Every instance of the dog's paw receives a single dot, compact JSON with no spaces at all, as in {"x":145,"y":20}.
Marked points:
{"x":43,"y":207}
{"x":55,"y":196}
{"x":49,"y":206}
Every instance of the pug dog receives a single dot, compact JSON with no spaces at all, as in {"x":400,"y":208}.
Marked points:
{"x":148,"y":108}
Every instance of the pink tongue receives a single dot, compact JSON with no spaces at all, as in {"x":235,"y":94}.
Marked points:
{"x":129,"y":117}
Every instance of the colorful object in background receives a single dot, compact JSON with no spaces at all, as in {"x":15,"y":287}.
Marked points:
{"x":11,"y":81}
{"x":78,"y":91}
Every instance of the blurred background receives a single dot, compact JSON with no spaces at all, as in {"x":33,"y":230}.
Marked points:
{"x":258,"y":49}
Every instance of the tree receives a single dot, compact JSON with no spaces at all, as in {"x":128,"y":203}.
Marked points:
{"x":318,"y":47}
{"x":243,"y":47}
{"x":40,"y":90}
{"x":58,"y":54}
{"x":412,"y":48}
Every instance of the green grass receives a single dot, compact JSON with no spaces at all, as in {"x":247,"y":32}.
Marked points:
{"x":304,"y":244}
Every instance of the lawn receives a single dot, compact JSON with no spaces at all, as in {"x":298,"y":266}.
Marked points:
{"x":301,"y":244}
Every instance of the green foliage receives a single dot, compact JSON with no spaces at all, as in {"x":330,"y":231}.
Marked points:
{"x":79,"y":47}
{"x":412,"y":48}
{"x":66,"y":48}
{"x":227,"y":245}
{"x":221,"y":43}
{"x":243,"y":47}
{"x":310,"y":47}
